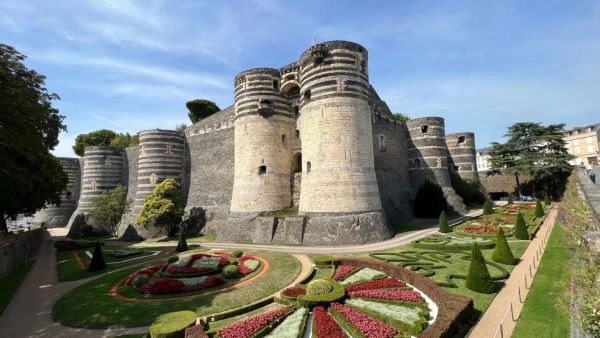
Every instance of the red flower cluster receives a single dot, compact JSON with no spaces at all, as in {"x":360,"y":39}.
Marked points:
{"x":149,"y":271}
{"x":185,"y":270}
{"x":402,"y":295}
{"x":480,"y":229}
{"x":246,"y":328}
{"x":343,"y":271}
{"x":243,"y":269}
{"x":384,"y":283}
{"x":324,"y":325}
{"x":165,"y":286}
{"x":294,"y":291}
{"x":367,"y":326}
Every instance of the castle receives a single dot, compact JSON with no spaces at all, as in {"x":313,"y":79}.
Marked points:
{"x":313,"y":135}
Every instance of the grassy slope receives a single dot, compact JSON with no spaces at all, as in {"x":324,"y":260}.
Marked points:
{"x":11,"y":283}
{"x":545,"y":313}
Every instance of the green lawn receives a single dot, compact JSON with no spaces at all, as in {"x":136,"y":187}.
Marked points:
{"x":546,"y":310}
{"x":11,"y":283}
{"x":91,"y":305}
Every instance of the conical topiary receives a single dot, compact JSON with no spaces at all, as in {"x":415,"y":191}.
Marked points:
{"x":509,"y":200}
{"x":521,"y":228}
{"x":97,"y":262}
{"x":478,"y":277}
{"x":547,"y":200}
{"x":487,"y":207}
{"x":502,"y":253}
{"x":539,"y":209}
{"x":182,"y":244}
{"x":443,"y":223}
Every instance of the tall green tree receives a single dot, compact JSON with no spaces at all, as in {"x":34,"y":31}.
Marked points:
{"x":163,"y":207}
{"x":108,"y":208}
{"x":535,"y":150}
{"x":101,"y":137}
{"x":30,"y":177}
{"x":200,"y":108}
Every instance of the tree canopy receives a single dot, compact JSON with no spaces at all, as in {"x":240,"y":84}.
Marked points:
{"x":535,"y":150}
{"x":401,"y":117}
{"x":30,"y":177}
{"x":103,"y":137}
{"x":200,"y":108}
{"x":108,"y":208}
{"x":163,"y":207}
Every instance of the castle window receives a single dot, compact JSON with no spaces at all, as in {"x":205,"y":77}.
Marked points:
{"x":262,"y":170}
{"x":424,"y":129}
{"x":417,"y":163}
{"x":456,"y":168}
{"x":275,"y":84}
{"x":307,"y":94}
{"x":296,"y":111}
{"x":297,"y":133}
{"x":308,"y":166}
{"x":297,"y":163}
{"x":461,"y":139}
{"x":68,"y":195}
{"x":283,"y":138}
{"x":381,"y":142}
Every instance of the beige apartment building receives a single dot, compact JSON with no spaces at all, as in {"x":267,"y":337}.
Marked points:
{"x":582,"y":142}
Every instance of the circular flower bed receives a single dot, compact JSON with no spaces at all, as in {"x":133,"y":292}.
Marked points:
{"x":188,"y":274}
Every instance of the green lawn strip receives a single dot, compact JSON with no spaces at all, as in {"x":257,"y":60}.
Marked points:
{"x":545,"y":313}
{"x":91,"y":305}
{"x":11,"y":283}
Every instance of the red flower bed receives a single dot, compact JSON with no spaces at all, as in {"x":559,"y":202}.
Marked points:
{"x":324,"y":325}
{"x":165,"y":286}
{"x":149,"y":271}
{"x":294,"y":292}
{"x":185,"y":270}
{"x":480,"y":229}
{"x":402,"y":295}
{"x":247,"y":328}
{"x":367,"y":326}
{"x":384,"y":283}
{"x":244,"y":270}
{"x":343,"y":271}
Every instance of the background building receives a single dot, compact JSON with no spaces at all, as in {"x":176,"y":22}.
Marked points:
{"x":582,"y":142}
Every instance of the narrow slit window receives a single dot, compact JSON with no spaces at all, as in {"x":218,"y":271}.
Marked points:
{"x":296,"y":111}
{"x":262,"y":170}
{"x":307,"y":94}
{"x":308,"y":166}
{"x":424,"y":129}
{"x":283,"y":138}
{"x":275,"y":84}
{"x":381,"y":142}
{"x":297,"y":133}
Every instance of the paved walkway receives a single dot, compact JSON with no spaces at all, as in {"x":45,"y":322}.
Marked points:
{"x":506,"y":306}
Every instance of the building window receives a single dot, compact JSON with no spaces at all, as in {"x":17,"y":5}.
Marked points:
{"x":262,"y":170}
{"x":424,"y":129}
{"x":307,"y":94}
{"x":283,"y":138}
{"x":297,"y":134}
{"x":275,"y":84}
{"x":297,"y":164}
{"x":308,"y":166}
{"x":296,"y":111}
{"x":381,"y":142}
{"x":461,"y":139}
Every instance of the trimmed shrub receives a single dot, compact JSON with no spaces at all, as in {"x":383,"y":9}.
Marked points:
{"x":521,"y":228}
{"x":310,"y":301}
{"x":172,"y":259}
{"x":233,"y":260}
{"x":172,"y":324}
{"x":182,"y":244}
{"x":322,"y":260}
{"x":430,"y":200}
{"x":443,"y":223}
{"x":318,"y":287}
{"x":97,"y":262}
{"x":509,"y":201}
{"x":140,"y":280}
{"x":478,"y":277}
{"x":502,"y":253}
{"x":547,"y":200}
{"x":230,"y":271}
{"x":237,"y":253}
{"x":539,"y":209}
{"x":488,"y":209}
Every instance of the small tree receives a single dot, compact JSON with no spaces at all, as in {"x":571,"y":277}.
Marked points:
{"x":430,"y":200}
{"x":521,"y":228}
{"x":97,"y":262}
{"x":443,"y":223}
{"x":509,"y":201}
{"x":182,"y":244}
{"x":487,"y":207}
{"x":539,"y":209}
{"x":502,"y":253}
{"x":199,"y":109}
{"x":478,"y":277}
{"x":401,"y":117}
{"x":108,"y":208}
{"x":163,"y":207}
{"x":547,"y":200}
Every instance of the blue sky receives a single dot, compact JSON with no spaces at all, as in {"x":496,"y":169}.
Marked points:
{"x":482,"y":65}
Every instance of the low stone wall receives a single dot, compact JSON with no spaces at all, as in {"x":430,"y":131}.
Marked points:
{"x":592,"y":194}
{"x":18,"y":249}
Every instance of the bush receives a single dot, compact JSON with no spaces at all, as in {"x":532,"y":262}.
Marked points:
{"x":230,"y":271}
{"x":547,"y":200}
{"x":182,"y":244}
{"x":310,"y":301}
{"x":237,"y":253}
{"x":488,"y":209}
{"x":539,"y":209}
{"x":443,"y":223}
{"x":502,"y":253}
{"x":233,"y":260}
{"x":430,"y":200}
{"x":322,"y":260}
{"x":318,"y":287}
{"x":470,"y":191}
{"x":521,"y":228}
{"x":172,"y":259}
{"x":509,"y":201}
{"x":97,"y":262}
{"x":172,"y":324}
{"x":140,"y":280}
{"x":478,"y":277}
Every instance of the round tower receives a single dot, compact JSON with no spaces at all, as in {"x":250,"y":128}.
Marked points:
{"x":338,"y":174}
{"x":160,"y":157}
{"x":102,"y":171}
{"x":58,"y":216}
{"x":427,"y":151}
{"x":463,"y":155}
{"x":264,"y":128}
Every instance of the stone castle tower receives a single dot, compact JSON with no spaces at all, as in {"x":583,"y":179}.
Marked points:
{"x":312,"y":135}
